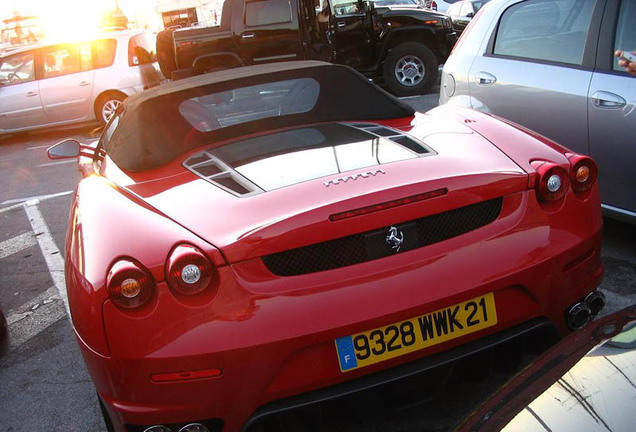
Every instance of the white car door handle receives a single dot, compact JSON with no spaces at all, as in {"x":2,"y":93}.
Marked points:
{"x":31,"y":94}
{"x":84,"y":84}
{"x":603,"y":99}
{"x":247,"y":36}
{"x":485,"y":78}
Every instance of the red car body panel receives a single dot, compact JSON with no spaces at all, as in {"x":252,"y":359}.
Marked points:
{"x":299,"y":215}
{"x":272,"y":336}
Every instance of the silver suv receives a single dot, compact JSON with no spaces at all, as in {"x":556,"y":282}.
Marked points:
{"x":57,"y":84}
{"x":548,"y":65}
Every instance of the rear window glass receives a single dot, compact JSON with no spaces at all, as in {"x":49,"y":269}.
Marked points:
{"x":104,"y":52}
{"x":267,"y":12}
{"x":548,"y":30}
{"x":246,"y":104}
{"x":141,"y":49}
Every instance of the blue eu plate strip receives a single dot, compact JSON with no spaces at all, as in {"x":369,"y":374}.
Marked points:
{"x":346,"y":353}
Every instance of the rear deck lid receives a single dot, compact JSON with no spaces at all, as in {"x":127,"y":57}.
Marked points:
{"x":277,"y":191}
{"x":264,"y":163}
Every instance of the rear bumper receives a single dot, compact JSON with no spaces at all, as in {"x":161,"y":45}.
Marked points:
{"x":273,"y":337}
{"x":403,"y":372}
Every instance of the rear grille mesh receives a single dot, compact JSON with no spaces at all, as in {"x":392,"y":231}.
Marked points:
{"x":372,"y":245}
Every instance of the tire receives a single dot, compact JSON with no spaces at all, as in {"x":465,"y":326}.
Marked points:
{"x":410,"y":69}
{"x":165,"y":53}
{"x":106,"y":105}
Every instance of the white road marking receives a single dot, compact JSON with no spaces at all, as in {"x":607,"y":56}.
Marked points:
{"x":51,"y":253}
{"x":37,"y":198}
{"x":58,"y":163}
{"x":13,"y":207}
{"x":34,"y":316}
{"x":50,"y":306}
{"x":16,"y":244}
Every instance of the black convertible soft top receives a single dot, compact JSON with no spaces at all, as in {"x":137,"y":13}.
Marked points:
{"x":156,"y":126}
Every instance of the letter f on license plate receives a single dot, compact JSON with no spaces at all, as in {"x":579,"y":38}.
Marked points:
{"x":383,"y":343}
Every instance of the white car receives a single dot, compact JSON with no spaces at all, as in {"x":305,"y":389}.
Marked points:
{"x":440,"y":5}
{"x":62,"y":83}
{"x":550,"y":67}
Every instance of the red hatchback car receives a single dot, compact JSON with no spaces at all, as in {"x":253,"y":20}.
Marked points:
{"x":252,"y":240}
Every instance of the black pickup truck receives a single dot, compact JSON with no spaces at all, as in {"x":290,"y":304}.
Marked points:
{"x":398,"y":45}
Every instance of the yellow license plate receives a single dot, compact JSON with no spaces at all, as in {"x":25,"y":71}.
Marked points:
{"x":383,"y":343}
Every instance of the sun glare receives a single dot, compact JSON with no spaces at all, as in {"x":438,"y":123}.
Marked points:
{"x":63,"y":19}
{"x":71,"y":19}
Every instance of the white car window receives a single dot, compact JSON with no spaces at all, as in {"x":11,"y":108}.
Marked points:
{"x":104,"y":52}
{"x":142,"y":49}
{"x":61,"y":60}
{"x":553,"y":30}
{"x":625,"y":31}
{"x":17,"y":69}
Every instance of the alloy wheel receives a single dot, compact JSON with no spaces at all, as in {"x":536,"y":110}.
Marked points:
{"x":410,"y":70}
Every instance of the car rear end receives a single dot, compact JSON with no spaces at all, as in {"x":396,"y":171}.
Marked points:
{"x":308,"y":259}
{"x":132,"y":67}
{"x":346,"y":276}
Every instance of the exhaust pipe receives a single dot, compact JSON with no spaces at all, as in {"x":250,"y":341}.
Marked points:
{"x":596,"y":301}
{"x":578,"y":315}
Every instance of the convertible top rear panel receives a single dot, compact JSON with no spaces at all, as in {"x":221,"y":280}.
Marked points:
{"x":236,"y":103}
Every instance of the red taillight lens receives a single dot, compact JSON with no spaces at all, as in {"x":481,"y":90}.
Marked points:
{"x":189,"y":271}
{"x":583,"y":173}
{"x":553,"y":181}
{"x":129,"y":284}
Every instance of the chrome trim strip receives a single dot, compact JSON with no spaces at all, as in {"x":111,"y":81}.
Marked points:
{"x":276,"y":57}
{"x":618,"y":210}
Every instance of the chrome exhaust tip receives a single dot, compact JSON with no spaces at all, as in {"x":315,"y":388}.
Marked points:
{"x":578,"y":315}
{"x":596,"y":301}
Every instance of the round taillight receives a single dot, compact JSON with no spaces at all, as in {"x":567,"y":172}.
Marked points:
{"x":189,"y":271}
{"x":129,"y":284}
{"x":583,"y":173}
{"x":553,"y":181}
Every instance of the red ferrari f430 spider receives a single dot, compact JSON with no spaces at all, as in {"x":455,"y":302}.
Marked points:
{"x":248,"y":241}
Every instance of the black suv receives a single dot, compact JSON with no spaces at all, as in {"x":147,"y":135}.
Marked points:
{"x":400,"y":45}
